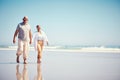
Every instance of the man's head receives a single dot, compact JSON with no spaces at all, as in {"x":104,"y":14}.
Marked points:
{"x":25,"y":19}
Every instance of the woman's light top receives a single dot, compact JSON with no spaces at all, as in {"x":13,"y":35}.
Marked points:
{"x":39,"y":36}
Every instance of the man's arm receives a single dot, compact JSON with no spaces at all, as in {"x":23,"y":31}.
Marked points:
{"x":30,"y":36}
{"x":15,"y":34}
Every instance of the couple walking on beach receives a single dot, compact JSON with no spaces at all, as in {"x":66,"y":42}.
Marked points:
{"x":25,"y":38}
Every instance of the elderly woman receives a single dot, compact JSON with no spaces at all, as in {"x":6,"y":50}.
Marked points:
{"x":39,"y":39}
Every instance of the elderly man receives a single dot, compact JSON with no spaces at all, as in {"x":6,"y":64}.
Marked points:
{"x":23,"y":31}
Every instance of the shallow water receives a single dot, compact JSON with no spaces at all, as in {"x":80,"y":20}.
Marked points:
{"x":61,"y":66}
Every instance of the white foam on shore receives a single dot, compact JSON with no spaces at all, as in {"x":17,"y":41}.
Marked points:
{"x":90,"y":49}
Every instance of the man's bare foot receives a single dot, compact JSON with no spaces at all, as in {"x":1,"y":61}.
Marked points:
{"x":17,"y":59}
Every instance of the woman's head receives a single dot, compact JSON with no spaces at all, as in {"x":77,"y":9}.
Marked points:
{"x":38,"y":28}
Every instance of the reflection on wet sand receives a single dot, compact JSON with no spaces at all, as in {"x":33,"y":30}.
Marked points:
{"x":39,"y":74}
{"x":24,"y":74}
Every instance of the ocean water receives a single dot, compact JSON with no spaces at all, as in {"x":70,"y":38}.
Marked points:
{"x":75,"y":48}
{"x":69,"y":46}
{"x":61,"y":65}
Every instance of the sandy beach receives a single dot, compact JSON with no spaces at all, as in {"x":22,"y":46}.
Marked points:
{"x":61,"y":65}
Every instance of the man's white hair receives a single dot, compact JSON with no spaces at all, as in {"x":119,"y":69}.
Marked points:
{"x":26,"y":17}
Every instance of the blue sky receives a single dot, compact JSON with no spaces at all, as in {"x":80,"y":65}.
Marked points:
{"x":66,"y":22}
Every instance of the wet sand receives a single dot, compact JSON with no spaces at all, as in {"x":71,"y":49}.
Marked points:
{"x":58,"y":65}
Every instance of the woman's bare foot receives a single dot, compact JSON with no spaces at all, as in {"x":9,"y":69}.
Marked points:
{"x":25,"y":61}
{"x":38,"y":61}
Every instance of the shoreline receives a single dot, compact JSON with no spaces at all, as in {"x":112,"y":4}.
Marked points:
{"x":109,"y":50}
